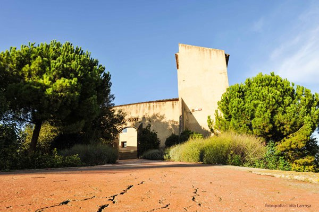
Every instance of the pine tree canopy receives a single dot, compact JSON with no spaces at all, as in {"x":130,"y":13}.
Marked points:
{"x":273,"y":108}
{"x":54,"y":82}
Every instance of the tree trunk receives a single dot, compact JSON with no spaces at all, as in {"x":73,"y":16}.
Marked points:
{"x":35,"y":136}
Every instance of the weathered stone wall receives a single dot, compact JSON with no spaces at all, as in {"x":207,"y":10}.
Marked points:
{"x":163,"y":116}
{"x":202,"y":79}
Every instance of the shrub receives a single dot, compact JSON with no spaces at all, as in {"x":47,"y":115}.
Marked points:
{"x":305,"y":164}
{"x":37,"y":160}
{"x":188,"y":134}
{"x":153,"y":154}
{"x":9,"y":145}
{"x":228,"y":148}
{"x":185,"y":136}
{"x":172,"y":140}
{"x":271,"y":160}
{"x":147,"y":139}
{"x":191,"y":151}
{"x":93,"y":154}
{"x":14,"y":153}
{"x":216,"y":151}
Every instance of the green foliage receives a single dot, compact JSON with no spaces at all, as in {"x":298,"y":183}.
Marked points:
{"x":106,"y":127}
{"x":172,"y":140}
{"x":55,"y":82}
{"x":37,"y":160}
{"x":185,"y":136}
{"x":93,"y":154}
{"x":210,"y":124}
{"x":13,"y":155}
{"x":146,"y":139}
{"x":188,"y":152}
{"x":272,"y":159}
{"x":9,"y":145}
{"x":68,"y":140}
{"x":305,"y":164}
{"x":272,"y":108}
{"x":47,"y":135}
{"x":153,"y":154}
{"x":3,"y":104}
{"x":228,"y":148}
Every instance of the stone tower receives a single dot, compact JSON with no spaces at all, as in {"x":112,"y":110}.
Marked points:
{"x":202,"y":79}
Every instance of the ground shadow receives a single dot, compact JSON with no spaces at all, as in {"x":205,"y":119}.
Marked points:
{"x":123,"y":165}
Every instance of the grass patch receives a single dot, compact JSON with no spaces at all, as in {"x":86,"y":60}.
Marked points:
{"x":153,"y":154}
{"x":228,"y":148}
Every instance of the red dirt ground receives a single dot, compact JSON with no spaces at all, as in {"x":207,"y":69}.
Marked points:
{"x":140,"y":185}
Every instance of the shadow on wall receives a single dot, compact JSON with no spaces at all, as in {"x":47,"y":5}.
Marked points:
{"x":191,"y":123}
{"x":159,"y":124}
{"x":164,"y":128}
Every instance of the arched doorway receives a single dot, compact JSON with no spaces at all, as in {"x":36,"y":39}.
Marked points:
{"x":128,"y":143}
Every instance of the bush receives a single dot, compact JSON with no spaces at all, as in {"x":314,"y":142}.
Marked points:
{"x":228,"y":148}
{"x":172,"y":140}
{"x":185,"y":136}
{"x":153,"y":154}
{"x":272,"y":160}
{"x":188,"y":134}
{"x":305,"y":164}
{"x":38,"y":160}
{"x":93,"y":154}
{"x":146,"y":139}
{"x":9,"y":145}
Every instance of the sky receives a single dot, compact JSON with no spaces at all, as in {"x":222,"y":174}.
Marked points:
{"x":136,"y":40}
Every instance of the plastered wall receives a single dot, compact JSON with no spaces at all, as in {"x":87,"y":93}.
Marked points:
{"x":162,"y":115}
{"x":202,"y":79}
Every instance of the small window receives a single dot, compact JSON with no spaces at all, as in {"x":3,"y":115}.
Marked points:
{"x":123,"y":144}
{"x":124,"y":130}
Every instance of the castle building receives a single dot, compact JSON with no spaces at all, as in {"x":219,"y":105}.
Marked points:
{"x":202,"y":79}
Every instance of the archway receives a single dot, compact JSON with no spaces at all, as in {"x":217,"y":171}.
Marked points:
{"x":128,"y":143}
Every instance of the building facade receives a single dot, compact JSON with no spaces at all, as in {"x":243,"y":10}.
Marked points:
{"x":202,"y":79}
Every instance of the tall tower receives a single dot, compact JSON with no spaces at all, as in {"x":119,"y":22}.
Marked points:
{"x":202,"y":79}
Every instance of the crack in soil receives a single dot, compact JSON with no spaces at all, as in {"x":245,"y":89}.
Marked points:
{"x":101,"y":208}
{"x":155,"y":209}
{"x":112,"y":198}
{"x":64,"y":203}
{"x":52,"y":206}
{"x":194,"y":197}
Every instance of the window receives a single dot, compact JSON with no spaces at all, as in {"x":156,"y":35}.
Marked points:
{"x":123,"y":144}
{"x":124,"y":130}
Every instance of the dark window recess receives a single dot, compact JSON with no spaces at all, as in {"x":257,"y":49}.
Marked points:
{"x":123,"y":144}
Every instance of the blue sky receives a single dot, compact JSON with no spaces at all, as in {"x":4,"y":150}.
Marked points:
{"x":136,"y":40}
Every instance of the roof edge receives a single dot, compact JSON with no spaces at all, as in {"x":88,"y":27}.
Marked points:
{"x":155,"y":101}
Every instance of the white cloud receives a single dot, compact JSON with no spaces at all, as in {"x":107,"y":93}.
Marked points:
{"x":297,"y":57}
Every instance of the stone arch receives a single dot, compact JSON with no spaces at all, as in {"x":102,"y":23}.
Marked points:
{"x":127,"y":142}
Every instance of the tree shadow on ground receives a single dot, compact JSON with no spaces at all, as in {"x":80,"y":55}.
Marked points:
{"x":123,"y":165}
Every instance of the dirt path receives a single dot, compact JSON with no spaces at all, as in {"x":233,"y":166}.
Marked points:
{"x":140,"y":185}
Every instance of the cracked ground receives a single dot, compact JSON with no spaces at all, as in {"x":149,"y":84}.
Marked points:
{"x":141,"y":185}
